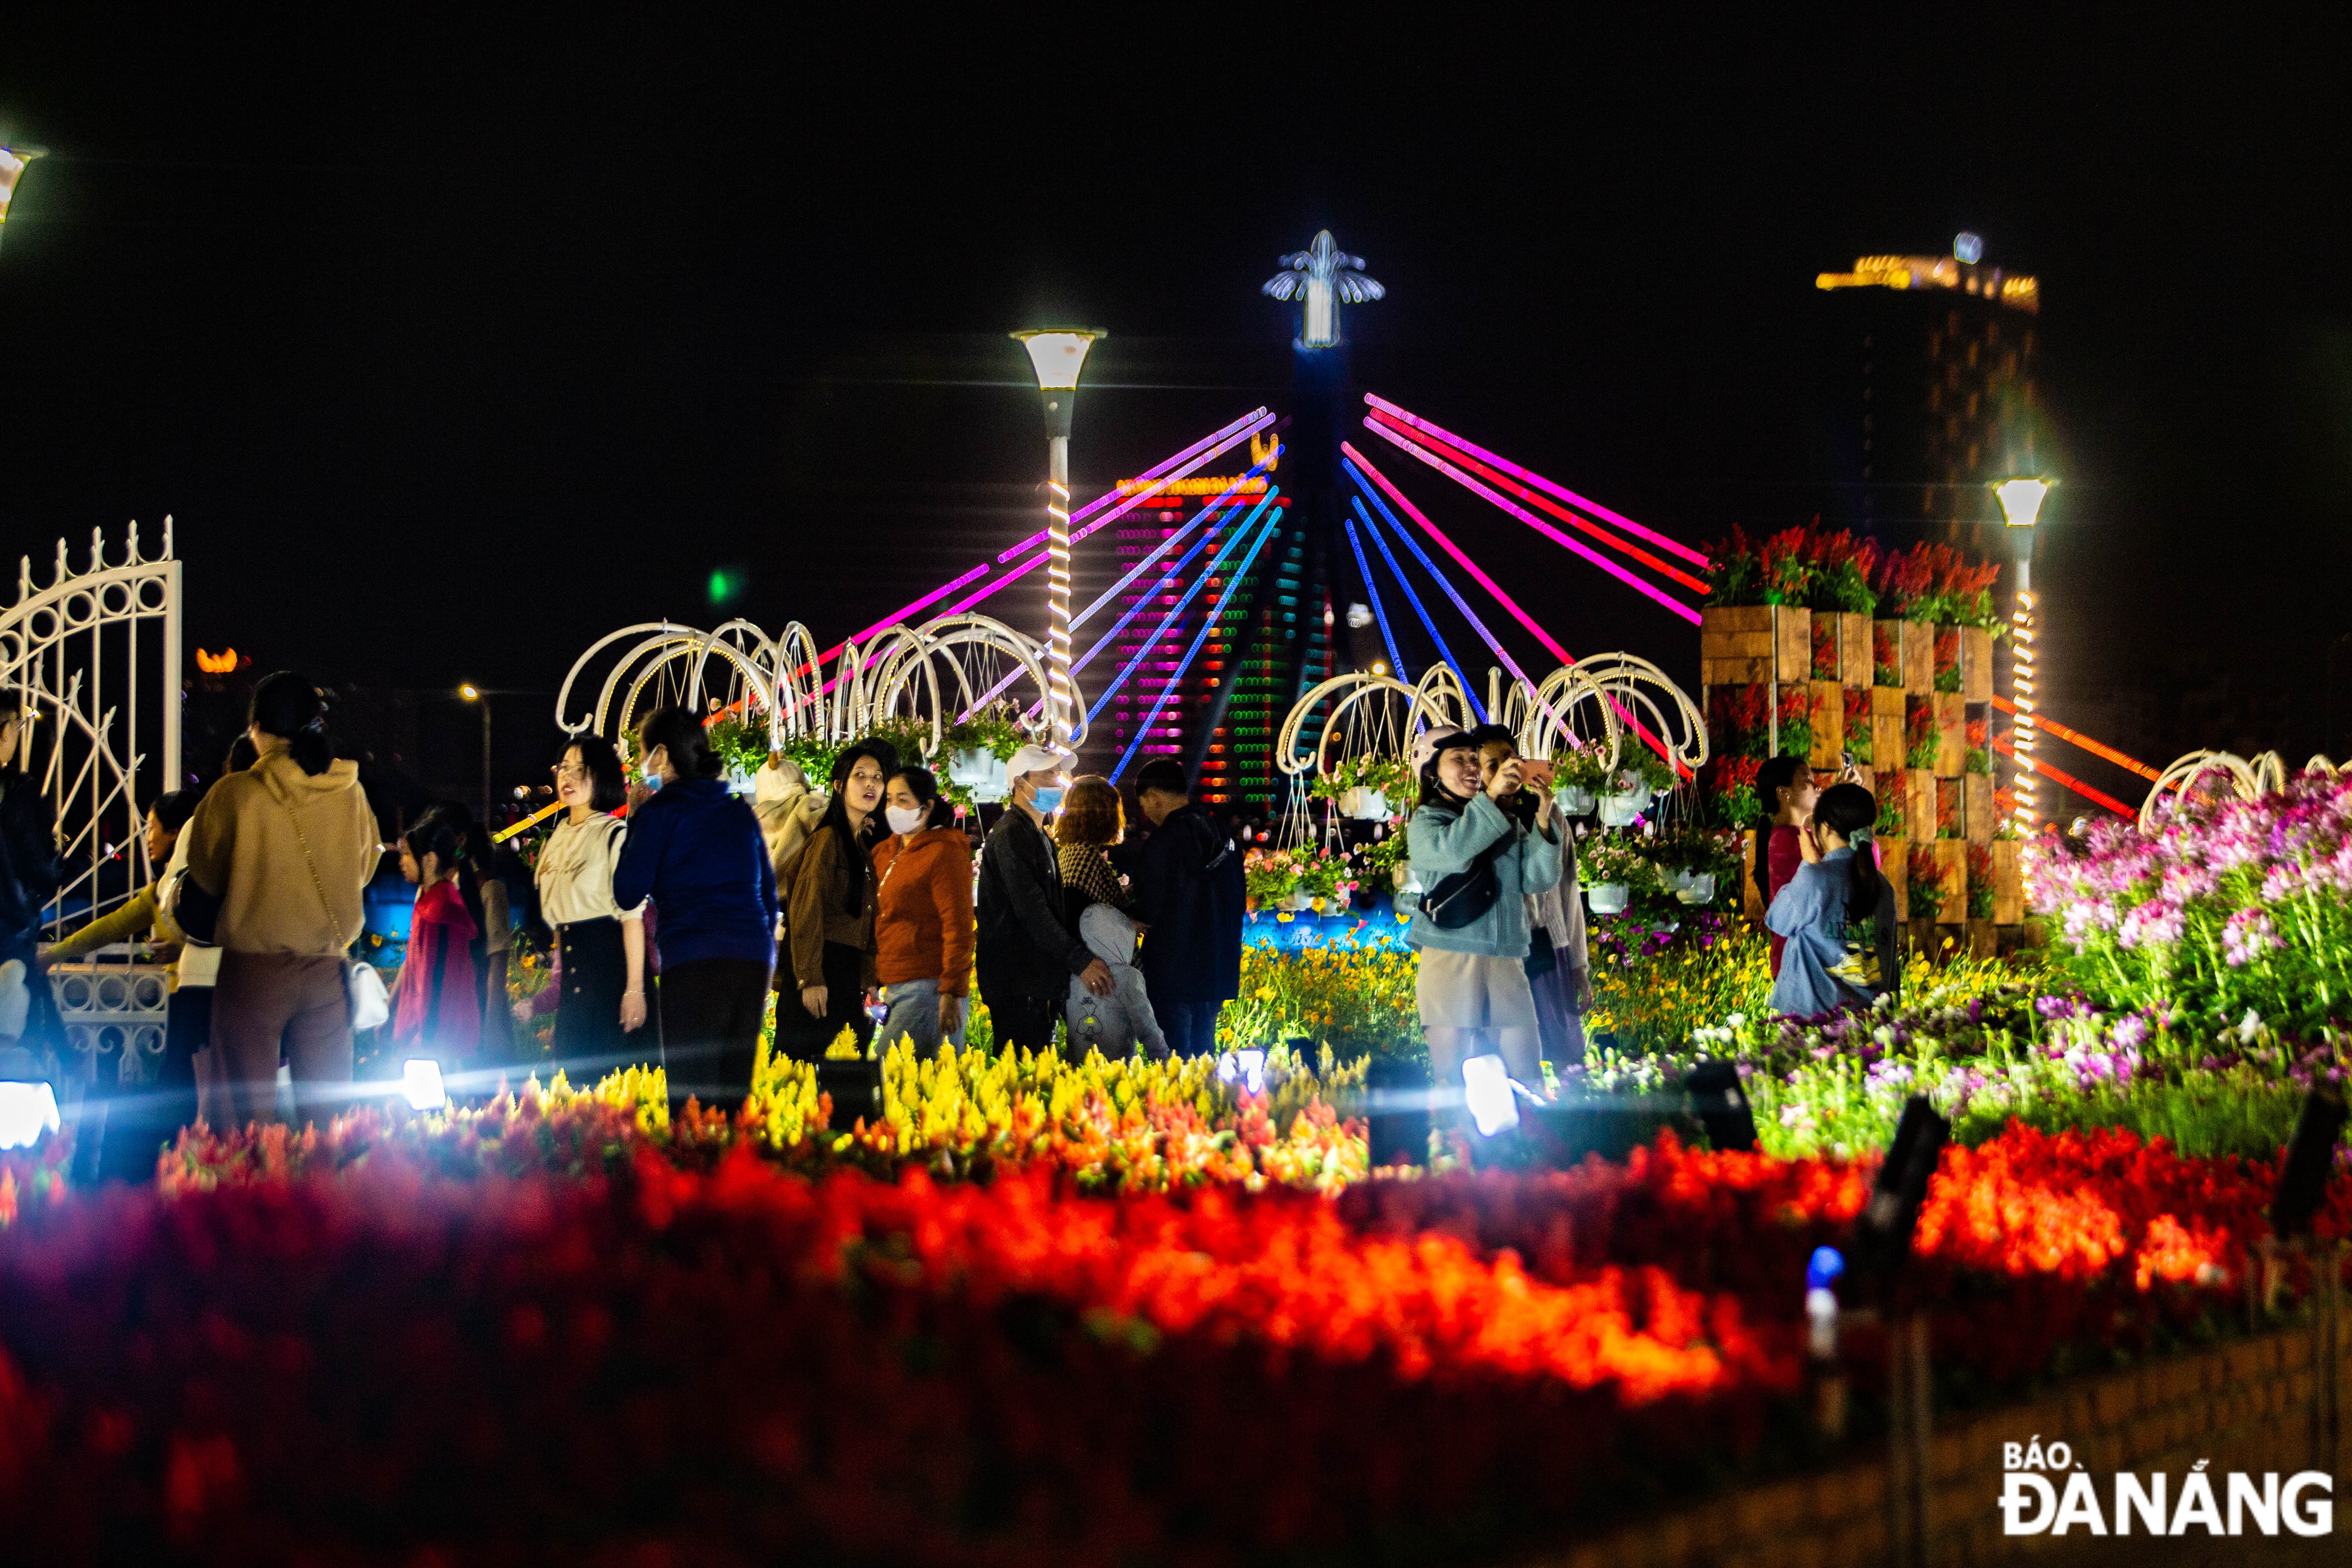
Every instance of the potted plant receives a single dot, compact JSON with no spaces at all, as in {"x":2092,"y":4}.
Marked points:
{"x":1578,"y":774}
{"x":1367,"y":789}
{"x":1611,"y":868}
{"x":1270,"y":878}
{"x":1325,"y":881}
{"x":1640,"y":776}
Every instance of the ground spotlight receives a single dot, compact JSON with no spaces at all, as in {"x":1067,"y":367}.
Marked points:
{"x":420,"y":1084}
{"x":28,"y":1104}
{"x":855,"y":1085}
{"x":1882,"y":1235}
{"x":1246,"y":1067}
{"x":2310,"y":1157}
{"x":1493,"y":1104}
{"x":1720,"y":1103}
{"x":1396,"y":1111}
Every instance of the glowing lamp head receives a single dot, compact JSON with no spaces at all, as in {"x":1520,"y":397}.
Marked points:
{"x":28,"y":1109}
{"x":2020,"y":499}
{"x":1968,"y":247}
{"x":1486,"y":1085}
{"x":1058,"y":353}
{"x":470,"y":692}
{"x":420,"y":1084}
{"x":14,"y":161}
{"x":1246,"y":1068}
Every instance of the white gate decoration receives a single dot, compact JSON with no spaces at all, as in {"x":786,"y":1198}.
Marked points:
{"x":105,"y":738}
{"x":940,"y":672}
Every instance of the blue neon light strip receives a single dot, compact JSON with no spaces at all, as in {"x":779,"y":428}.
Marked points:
{"x":1102,"y":698}
{"x":1396,"y":660}
{"x":1423,"y":556}
{"x":1232,"y":583}
{"x":1144,"y":601}
{"x":1087,"y":613}
{"x":1445,"y":654}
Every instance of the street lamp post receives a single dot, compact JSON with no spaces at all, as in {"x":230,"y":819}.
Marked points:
{"x":2020,"y":503}
{"x":1058,"y":354}
{"x":475,"y":694}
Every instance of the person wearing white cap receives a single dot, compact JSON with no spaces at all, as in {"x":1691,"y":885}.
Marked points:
{"x":1027,"y":950}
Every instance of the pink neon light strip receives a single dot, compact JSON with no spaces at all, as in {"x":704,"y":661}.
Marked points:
{"x":1530,"y":477}
{"x":1530,"y":518}
{"x":1463,"y":561}
{"x":1193,"y":456}
{"x":932,"y":597}
{"x":1398,"y":495}
{"x":1534,"y":499}
{"x":957,"y":608}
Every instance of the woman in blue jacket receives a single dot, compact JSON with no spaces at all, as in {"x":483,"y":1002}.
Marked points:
{"x":1473,"y":989}
{"x":695,"y":850}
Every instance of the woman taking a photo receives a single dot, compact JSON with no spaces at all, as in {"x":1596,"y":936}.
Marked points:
{"x":600,"y":948}
{"x":829,"y":913}
{"x":923,"y":916}
{"x":1479,"y":863}
{"x":278,"y":855}
{"x":695,"y":850}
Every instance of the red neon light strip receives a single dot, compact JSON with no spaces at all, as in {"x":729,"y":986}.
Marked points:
{"x":2051,"y":727}
{"x":1561,"y":512}
{"x":899,"y":615}
{"x":1415,"y":449}
{"x":1192,"y":458}
{"x":1460,"y":560}
{"x":1414,"y":513}
{"x":1570,"y":497}
{"x":2069,"y":780}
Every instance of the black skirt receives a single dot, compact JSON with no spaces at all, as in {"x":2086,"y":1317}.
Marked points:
{"x":588,"y":1012}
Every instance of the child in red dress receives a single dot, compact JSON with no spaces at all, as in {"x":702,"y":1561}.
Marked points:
{"x":435,"y":1009}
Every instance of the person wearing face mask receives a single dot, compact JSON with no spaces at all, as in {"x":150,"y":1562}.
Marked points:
{"x":827,"y":960}
{"x":600,"y":947}
{"x":1479,"y":861}
{"x":1027,"y":951}
{"x":922,"y":917}
{"x":695,"y":850}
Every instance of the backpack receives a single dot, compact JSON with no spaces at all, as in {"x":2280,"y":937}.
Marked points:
{"x":787,"y":826}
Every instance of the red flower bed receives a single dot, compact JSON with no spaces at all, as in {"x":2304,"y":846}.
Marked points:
{"x":739,"y":1364}
{"x":733,"y":1362}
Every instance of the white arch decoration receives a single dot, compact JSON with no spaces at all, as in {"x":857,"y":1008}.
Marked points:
{"x":2245,"y":778}
{"x":942,"y":671}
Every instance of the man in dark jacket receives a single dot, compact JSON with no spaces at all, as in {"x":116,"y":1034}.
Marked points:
{"x":1189,"y":892}
{"x":1027,"y":951}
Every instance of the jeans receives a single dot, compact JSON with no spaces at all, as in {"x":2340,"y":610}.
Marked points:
{"x":1191,"y":1026}
{"x":915,"y":1014}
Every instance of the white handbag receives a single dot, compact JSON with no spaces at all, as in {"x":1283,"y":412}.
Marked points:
{"x":370,"y":1003}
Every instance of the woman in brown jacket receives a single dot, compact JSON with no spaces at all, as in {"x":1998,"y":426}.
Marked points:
{"x":828,"y":947}
{"x":923,"y":918}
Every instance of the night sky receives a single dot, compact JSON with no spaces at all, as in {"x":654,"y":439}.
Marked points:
{"x":452,"y":349}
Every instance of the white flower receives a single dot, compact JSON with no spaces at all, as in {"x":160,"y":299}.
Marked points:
{"x":2248,"y":1025}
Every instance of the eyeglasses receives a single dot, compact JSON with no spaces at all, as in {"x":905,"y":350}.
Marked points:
{"x":568,"y":771}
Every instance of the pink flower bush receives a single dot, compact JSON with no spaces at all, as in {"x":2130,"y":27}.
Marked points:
{"x":2228,"y":907}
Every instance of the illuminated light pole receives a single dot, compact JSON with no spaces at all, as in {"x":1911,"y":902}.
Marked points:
{"x":2020,"y":502}
{"x":14,"y":161}
{"x":1058,"y":354}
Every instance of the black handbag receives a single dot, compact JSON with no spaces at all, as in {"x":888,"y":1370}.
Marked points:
{"x":1542,"y":957}
{"x":1464,"y":897}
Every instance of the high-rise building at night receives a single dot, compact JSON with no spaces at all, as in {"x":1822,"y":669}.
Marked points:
{"x":1929,"y":390}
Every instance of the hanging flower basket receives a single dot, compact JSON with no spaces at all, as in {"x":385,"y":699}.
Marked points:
{"x":1620,"y":810}
{"x":1364,"y":803}
{"x":1298,"y":900}
{"x":1573,"y":800}
{"x":982,"y":772}
{"x":1694,"y":887}
{"x":1607,"y":899}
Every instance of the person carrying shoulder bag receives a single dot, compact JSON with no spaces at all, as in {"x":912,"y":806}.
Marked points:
{"x":277,"y":857}
{"x":1479,"y":863}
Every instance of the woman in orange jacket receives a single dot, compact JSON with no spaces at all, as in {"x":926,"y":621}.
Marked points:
{"x":923,"y":916}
